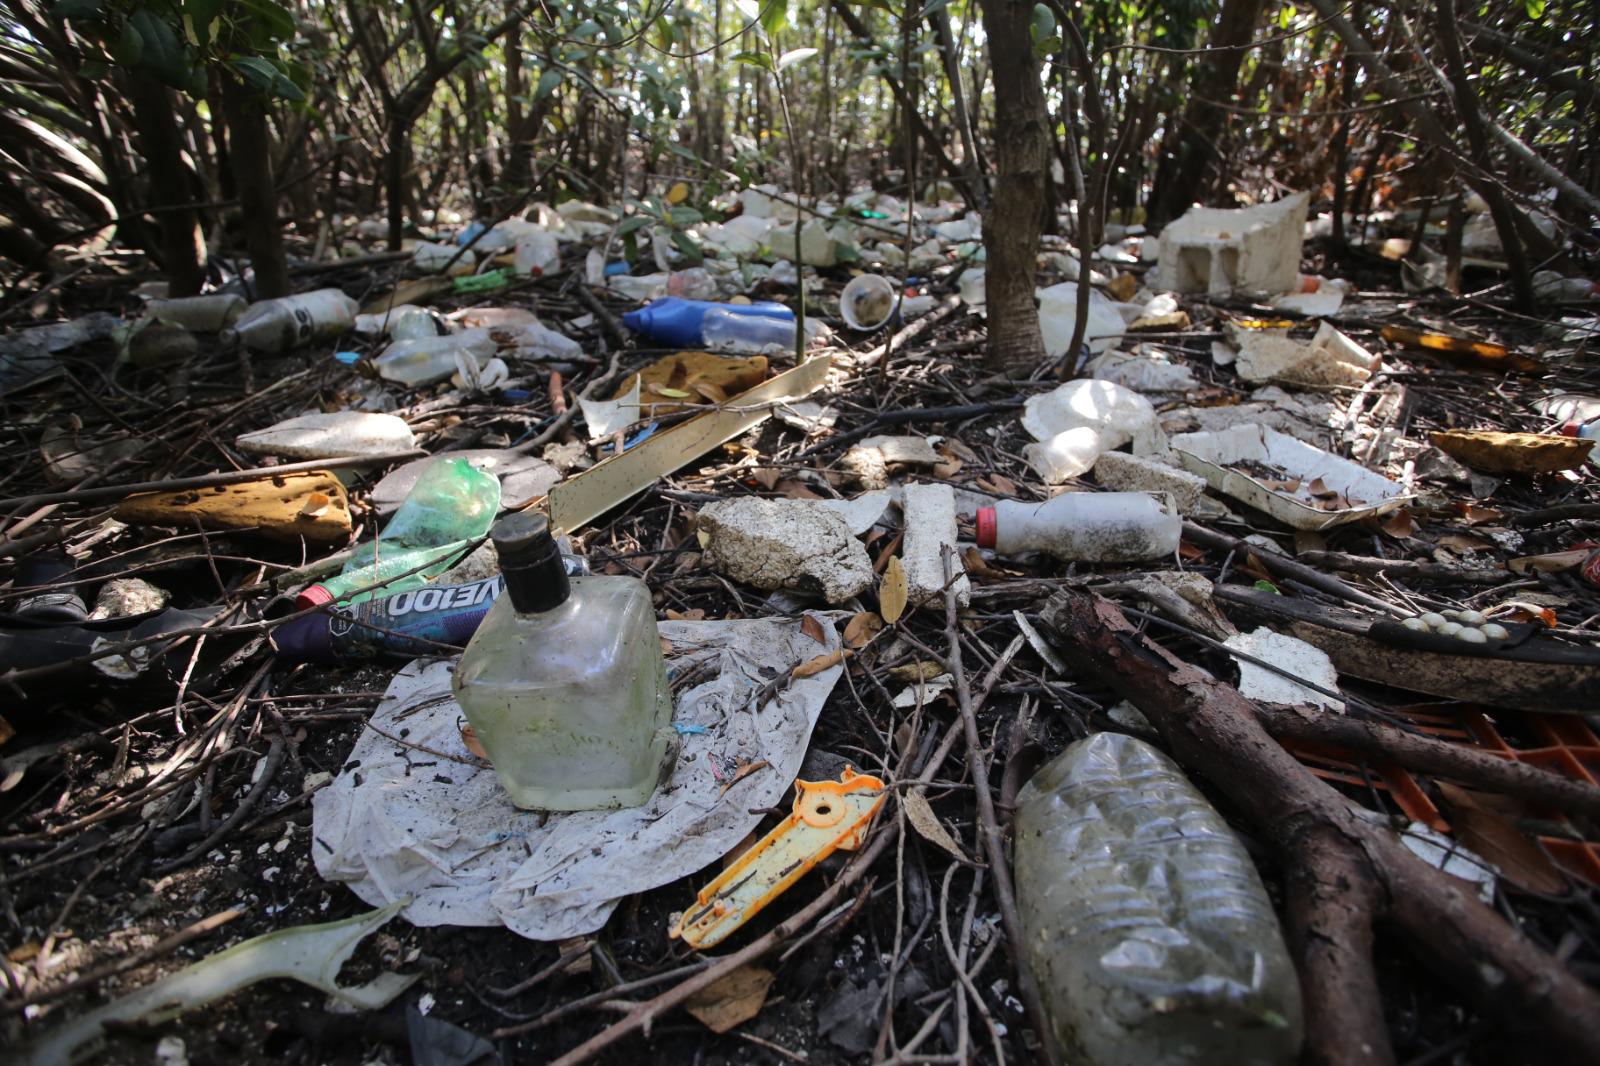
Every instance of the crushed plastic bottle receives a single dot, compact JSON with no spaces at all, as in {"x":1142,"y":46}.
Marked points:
{"x":1556,"y":287}
{"x":695,"y":283}
{"x":537,"y":252}
{"x":404,"y":322}
{"x":273,"y":326}
{"x":722,"y":329}
{"x":452,"y":504}
{"x":679,"y":323}
{"x":564,"y":682}
{"x":1090,"y":527}
{"x":1148,"y":930}
{"x":199,"y":314}
{"x":426,"y":360}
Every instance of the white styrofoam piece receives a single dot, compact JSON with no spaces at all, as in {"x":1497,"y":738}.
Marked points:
{"x":1294,"y":655}
{"x":1220,"y":252}
{"x":1329,"y":358}
{"x":1211,"y":454}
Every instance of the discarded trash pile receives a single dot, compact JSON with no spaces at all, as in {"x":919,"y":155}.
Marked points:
{"x":622,"y":632}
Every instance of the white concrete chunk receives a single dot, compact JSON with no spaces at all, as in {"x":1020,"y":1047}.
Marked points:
{"x":930,"y":524}
{"x":1136,"y":473}
{"x":785,"y":544}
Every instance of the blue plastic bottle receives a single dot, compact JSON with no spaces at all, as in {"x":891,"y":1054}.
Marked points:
{"x":675,"y":322}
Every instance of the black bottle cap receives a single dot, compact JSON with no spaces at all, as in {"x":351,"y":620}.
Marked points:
{"x":530,"y":561}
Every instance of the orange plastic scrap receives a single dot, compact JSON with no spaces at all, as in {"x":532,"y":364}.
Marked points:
{"x":827,"y":816}
{"x":1471,"y":353}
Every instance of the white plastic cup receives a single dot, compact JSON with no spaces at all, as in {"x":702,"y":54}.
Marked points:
{"x":867,"y":303}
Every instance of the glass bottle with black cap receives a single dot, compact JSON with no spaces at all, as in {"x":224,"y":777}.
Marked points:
{"x":564,"y":682}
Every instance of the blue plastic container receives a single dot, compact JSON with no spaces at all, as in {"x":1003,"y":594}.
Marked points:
{"x":675,"y":322}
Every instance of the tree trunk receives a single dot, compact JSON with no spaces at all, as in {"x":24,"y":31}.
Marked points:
{"x":1216,"y":75}
{"x":250,"y":154}
{"x":1022,"y":171}
{"x":182,"y":244}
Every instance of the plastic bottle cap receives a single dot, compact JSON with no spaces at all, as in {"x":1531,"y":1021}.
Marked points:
{"x":1570,"y":429}
{"x":986,"y":527}
{"x":313,"y":596}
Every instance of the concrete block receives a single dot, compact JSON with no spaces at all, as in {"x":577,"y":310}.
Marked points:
{"x":930,"y":524}
{"x":1136,"y":473}
{"x":785,"y":544}
{"x":1219,"y":252}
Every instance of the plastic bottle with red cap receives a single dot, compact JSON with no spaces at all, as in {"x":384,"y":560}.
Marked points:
{"x":1090,"y":527}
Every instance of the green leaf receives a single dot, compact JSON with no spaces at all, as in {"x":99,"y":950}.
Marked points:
{"x":549,"y":81}
{"x":933,"y":5}
{"x":774,"y":16}
{"x":881,"y":5}
{"x":128,"y":48}
{"x":685,"y":244}
{"x":1534,"y":8}
{"x":198,"y":18}
{"x":163,"y":54}
{"x":793,"y":56}
{"x":274,"y":20}
{"x":1267,"y":586}
{"x":632,"y":223}
{"x":1044,"y":23}
{"x":750,"y":9}
{"x":684,"y":216}
{"x":754,"y":59}
{"x":84,"y":10}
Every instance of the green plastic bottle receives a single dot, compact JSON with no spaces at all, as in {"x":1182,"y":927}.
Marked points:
{"x":452,"y":504}
{"x":564,"y":682}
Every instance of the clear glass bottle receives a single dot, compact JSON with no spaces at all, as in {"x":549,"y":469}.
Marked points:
{"x":564,"y":681}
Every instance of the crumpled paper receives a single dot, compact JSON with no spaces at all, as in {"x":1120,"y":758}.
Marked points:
{"x":424,"y":819}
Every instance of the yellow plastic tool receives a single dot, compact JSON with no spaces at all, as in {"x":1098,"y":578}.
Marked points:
{"x":827,"y":815}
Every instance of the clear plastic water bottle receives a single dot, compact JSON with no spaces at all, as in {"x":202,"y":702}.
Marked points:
{"x":730,"y":331}
{"x":425,"y":360}
{"x":1148,"y":929}
{"x":273,"y":326}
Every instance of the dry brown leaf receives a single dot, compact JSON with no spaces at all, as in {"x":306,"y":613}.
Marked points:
{"x":1520,"y":611}
{"x":927,"y":824}
{"x":469,"y":737}
{"x":1320,"y":490}
{"x":952,"y":463}
{"x":576,"y":966}
{"x":698,"y":614}
{"x":731,"y":999}
{"x":904,"y":738}
{"x":1399,"y":525}
{"x":677,"y":194}
{"x":1123,"y":286}
{"x":819,"y":664}
{"x":812,"y":628}
{"x":859,"y":631}
{"x":918,"y":671}
{"x":1551,"y":563}
{"x":316,"y":503}
{"x":998,"y":484}
{"x":743,"y":769}
{"x":666,"y":648}
{"x":1460,"y":542}
{"x":1518,"y":858}
{"x":7,"y":730}
{"x":892,"y":592}
{"x":1477,"y":516}
{"x":766,"y":477}
{"x":710,"y":391}
{"x":977,"y":566}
